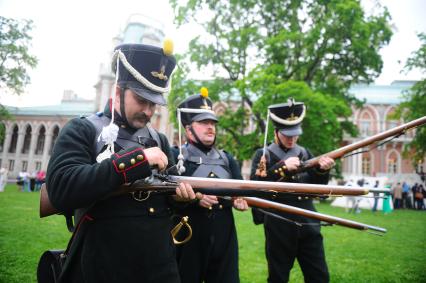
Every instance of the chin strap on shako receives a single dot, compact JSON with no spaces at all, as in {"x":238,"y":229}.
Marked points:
{"x":122,"y":109}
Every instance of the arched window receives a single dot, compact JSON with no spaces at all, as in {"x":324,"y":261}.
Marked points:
{"x":220,"y":110}
{"x":391,"y":122}
{"x":40,"y":140}
{"x":54,"y":137}
{"x":392,"y":163}
{"x":27,"y":140}
{"x":366,"y":124}
{"x":13,"y":140}
{"x":366,"y":164}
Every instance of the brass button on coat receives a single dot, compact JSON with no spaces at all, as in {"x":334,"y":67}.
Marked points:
{"x":132,"y":161}
{"x":139,"y":157}
{"x":121,"y":166}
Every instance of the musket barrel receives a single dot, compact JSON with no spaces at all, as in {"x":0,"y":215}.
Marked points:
{"x":257,"y":202}
{"x":340,"y":152}
{"x":266,"y":186}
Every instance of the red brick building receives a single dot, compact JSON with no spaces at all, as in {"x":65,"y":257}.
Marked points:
{"x":387,"y":160}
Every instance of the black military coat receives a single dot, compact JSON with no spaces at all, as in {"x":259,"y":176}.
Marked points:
{"x":286,"y":241}
{"x":212,"y":253}
{"x":311,"y":176}
{"x":119,"y":239}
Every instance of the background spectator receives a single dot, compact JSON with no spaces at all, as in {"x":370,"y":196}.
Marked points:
{"x":20,"y":180}
{"x":40,"y":176}
{"x":3,"y":178}
{"x":397,"y":194}
{"x":376,"y":195}
{"x":419,"y":195}
{"x":405,"y":190}
{"x":413,"y":194}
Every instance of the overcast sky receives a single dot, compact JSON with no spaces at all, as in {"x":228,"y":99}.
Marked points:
{"x":72,"y":38}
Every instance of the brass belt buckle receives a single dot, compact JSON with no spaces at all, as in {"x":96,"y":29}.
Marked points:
{"x":176,"y":229}
{"x":141,"y":196}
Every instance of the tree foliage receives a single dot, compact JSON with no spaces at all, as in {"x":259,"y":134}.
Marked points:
{"x":15,"y":59}
{"x":414,"y":104}
{"x":262,"y":52}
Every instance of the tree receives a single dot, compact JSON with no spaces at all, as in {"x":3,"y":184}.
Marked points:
{"x":414,"y":101}
{"x":14,"y":54}
{"x":262,"y":52}
{"x":14,"y":59}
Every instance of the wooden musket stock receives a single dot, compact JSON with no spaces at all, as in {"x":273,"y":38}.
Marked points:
{"x":340,"y":152}
{"x":167,"y":184}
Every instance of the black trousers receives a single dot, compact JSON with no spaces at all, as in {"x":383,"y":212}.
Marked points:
{"x":125,"y":249}
{"x":211,"y":255}
{"x":285,"y":241}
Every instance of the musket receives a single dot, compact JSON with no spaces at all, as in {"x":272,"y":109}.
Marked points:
{"x":221,"y":187}
{"x":261,"y":203}
{"x":341,"y":152}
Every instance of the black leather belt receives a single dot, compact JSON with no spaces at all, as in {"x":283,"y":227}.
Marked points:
{"x":126,"y":205}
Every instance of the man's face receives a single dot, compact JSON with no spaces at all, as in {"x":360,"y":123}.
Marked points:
{"x":138,"y":110}
{"x":205,"y":131}
{"x":288,"y":142}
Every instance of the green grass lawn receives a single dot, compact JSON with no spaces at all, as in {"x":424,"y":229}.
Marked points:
{"x":352,"y":256}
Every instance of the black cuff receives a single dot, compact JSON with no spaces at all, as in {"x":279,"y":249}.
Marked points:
{"x":131,"y":164}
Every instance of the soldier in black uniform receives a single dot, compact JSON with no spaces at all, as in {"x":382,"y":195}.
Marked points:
{"x":123,"y":238}
{"x":286,"y":241}
{"x":212,"y":253}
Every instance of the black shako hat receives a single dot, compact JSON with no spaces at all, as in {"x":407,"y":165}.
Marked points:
{"x":287,"y":117}
{"x":145,"y":69}
{"x":196,"y":108}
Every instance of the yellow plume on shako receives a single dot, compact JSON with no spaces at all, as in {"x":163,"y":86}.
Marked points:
{"x":168,"y":47}
{"x":204,"y":92}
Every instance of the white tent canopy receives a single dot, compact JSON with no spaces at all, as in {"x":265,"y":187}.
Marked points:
{"x":365,"y":202}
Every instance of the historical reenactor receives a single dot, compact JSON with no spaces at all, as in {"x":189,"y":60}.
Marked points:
{"x":290,"y":236}
{"x":123,"y":238}
{"x":212,"y":253}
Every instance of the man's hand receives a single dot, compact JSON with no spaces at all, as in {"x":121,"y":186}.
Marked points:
{"x":208,"y":201}
{"x":240,"y":204}
{"x":156,"y":157}
{"x":292,"y":163}
{"x":185,"y":193}
{"x":326,"y":163}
